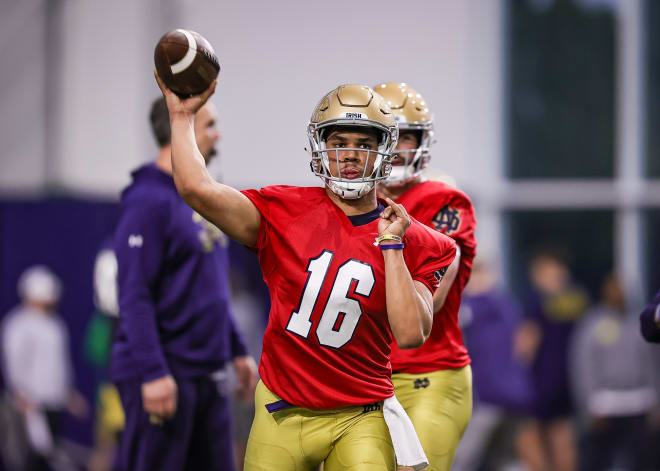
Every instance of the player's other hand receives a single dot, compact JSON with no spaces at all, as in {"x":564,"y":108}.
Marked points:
{"x":246,"y":377}
{"x":159,"y":397}
{"x":185,"y":106}
{"x":393,"y":220}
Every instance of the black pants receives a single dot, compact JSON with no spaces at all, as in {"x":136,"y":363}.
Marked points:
{"x":198,"y":437}
{"x":614,"y":442}
{"x":36,"y":461}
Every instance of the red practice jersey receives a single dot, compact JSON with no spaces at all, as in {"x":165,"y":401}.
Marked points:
{"x":449,"y":211}
{"x":327,"y":343}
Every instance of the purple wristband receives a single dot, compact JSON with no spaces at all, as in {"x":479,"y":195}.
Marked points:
{"x":391,"y":246}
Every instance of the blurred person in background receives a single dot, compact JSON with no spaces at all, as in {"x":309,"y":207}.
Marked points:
{"x":251,"y":317}
{"x":433,"y":382}
{"x":38,"y":368}
{"x":615,"y":383}
{"x":489,"y":318}
{"x":650,"y":320}
{"x":109,"y":415}
{"x":176,"y":332}
{"x":556,"y":303}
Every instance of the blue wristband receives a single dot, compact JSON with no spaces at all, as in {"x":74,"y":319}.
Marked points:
{"x":391,"y":246}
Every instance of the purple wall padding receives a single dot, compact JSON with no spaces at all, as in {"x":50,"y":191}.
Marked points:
{"x":63,"y":234}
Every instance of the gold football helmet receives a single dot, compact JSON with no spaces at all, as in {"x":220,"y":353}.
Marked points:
{"x":352,"y":106}
{"x":412,"y":114}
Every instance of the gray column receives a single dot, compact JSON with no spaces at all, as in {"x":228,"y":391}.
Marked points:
{"x":23,"y":75}
{"x":630,"y":128}
{"x":484,"y":176}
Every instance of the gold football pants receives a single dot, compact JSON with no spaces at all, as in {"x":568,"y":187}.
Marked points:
{"x":299,"y":439}
{"x":439,"y":404}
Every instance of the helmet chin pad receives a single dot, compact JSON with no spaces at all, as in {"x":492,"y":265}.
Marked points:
{"x":414,"y":162}
{"x":348,"y":190}
{"x":398,"y":174}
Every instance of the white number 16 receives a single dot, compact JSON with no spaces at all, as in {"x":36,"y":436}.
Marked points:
{"x":341,"y":314}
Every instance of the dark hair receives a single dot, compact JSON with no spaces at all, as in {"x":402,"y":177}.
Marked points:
{"x":160,"y":122}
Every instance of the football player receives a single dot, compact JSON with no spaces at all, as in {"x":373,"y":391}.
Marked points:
{"x":433,"y":382}
{"x":347,"y":275}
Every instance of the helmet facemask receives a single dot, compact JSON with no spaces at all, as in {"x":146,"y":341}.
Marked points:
{"x":358,"y":108}
{"x":414,"y":160}
{"x":351,"y":188}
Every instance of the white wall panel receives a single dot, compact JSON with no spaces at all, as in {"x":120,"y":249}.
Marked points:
{"x":23,"y":150}
{"x":279,"y":58}
{"x":106,"y":75}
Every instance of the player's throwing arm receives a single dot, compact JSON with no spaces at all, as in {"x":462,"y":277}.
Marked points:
{"x":226,"y":207}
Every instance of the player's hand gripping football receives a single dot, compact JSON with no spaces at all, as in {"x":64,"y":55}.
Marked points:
{"x":393,"y":220}
{"x":185,"y":106}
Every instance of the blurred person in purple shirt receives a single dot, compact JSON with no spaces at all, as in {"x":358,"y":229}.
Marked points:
{"x":489,"y":318}
{"x":176,"y":331}
{"x":547,"y":439}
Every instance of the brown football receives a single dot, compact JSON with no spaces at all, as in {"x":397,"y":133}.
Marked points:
{"x":186,"y":62}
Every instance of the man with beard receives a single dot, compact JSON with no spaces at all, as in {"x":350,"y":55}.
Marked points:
{"x":176,"y":331}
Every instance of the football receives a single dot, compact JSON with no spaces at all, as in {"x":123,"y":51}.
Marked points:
{"x":186,"y":62}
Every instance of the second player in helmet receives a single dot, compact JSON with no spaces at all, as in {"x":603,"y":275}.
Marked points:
{"x":338,"y":300}
{"x":433,"y":382}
